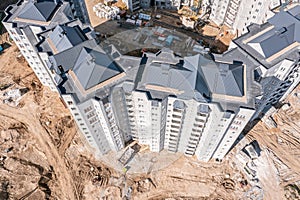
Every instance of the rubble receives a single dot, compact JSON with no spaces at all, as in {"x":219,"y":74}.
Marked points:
{"x":13,"y":97}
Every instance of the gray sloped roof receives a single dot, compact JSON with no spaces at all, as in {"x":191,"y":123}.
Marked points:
{"x":67,"y":59}
{"x":64,"y":37}
{"x":200,"y":81}
{"x":93,"y":67}
{"x":40,"y":10}
{"x":166,"y":70}
{"x":197,"y":76}
{"x":272,"y":42}
{"x":295,"y":11}
{"x":285,"y":32}
{"x":225,"y":79}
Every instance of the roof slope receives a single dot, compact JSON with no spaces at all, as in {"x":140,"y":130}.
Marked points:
{"x":226,"y":79}
{"x":65,"y":37}
{"x":93,"y":67}
{"x":40,"y":10}
{"x":285,"y":32}
{"x":196,"y":76}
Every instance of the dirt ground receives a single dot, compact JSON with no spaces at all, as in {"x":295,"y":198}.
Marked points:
{"x":42,"y":155}
{"x":283,"y":144}
{"x":95,"y":21}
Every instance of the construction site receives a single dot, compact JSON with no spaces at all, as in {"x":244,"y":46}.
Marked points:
{"x":185,"y":21}
{"x":44,"y":157}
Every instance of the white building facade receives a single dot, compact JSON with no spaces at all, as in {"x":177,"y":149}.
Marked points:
{"x":24,"y":22}
{"x":196,"y":105}
{"x":238,"y":14}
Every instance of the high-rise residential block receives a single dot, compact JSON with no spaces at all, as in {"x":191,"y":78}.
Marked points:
{"x":197,"y":105}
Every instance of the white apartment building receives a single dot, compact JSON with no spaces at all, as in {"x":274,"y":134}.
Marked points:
{"x":134,"y":5}
{"x":197,"y":105}
{"x":276,"y":46}
{"x":238,"y":14}
{"x":96,"y":121}
{"x":25,"y":20}
{"x":147,"y":119}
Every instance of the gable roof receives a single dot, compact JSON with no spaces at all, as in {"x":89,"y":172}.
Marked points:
{"x":274,"y":41}
{"x":40,"y":10}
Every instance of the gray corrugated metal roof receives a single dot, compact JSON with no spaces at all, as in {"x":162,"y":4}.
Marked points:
{"x":93,"y":67}
{"x":40,"y":10}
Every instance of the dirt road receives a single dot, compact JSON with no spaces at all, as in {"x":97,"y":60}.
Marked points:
{"x":29,"y":115}
{"x":26,"y":116}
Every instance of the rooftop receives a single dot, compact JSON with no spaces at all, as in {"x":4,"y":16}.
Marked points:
{"x":64,"y":37}
{"x":47,"y":13}
{"x":39,"y":10}
{"x":277,"y":39}
{"x":93,"y":67}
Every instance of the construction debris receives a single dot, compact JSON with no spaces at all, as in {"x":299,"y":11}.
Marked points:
{"x":11,"y":96}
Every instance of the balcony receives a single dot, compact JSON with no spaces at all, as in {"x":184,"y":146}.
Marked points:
{"x":200,"y":120}
{"x":176,"y":122}
{"x":109,"y":115}
{"x":177,"y":116}
{"x":175,"y":127}
{"x":174,"y":136}
{"x":198,"y":125}
{"x":178,"y":111}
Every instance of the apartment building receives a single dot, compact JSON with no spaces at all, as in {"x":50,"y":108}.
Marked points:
{"x":275,"y":45}
{"x":134,"y":5}
{"x":190,"y":111}
{"x":197,"y":105}
{"x":238,"y":14}
{"x":25,"y":20}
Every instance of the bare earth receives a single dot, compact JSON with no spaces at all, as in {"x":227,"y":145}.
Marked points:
{"x":95,"y":21}
{"x":42,"y":155}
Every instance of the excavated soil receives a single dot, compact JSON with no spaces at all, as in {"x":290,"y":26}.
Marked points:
{"x":42,"y":155}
